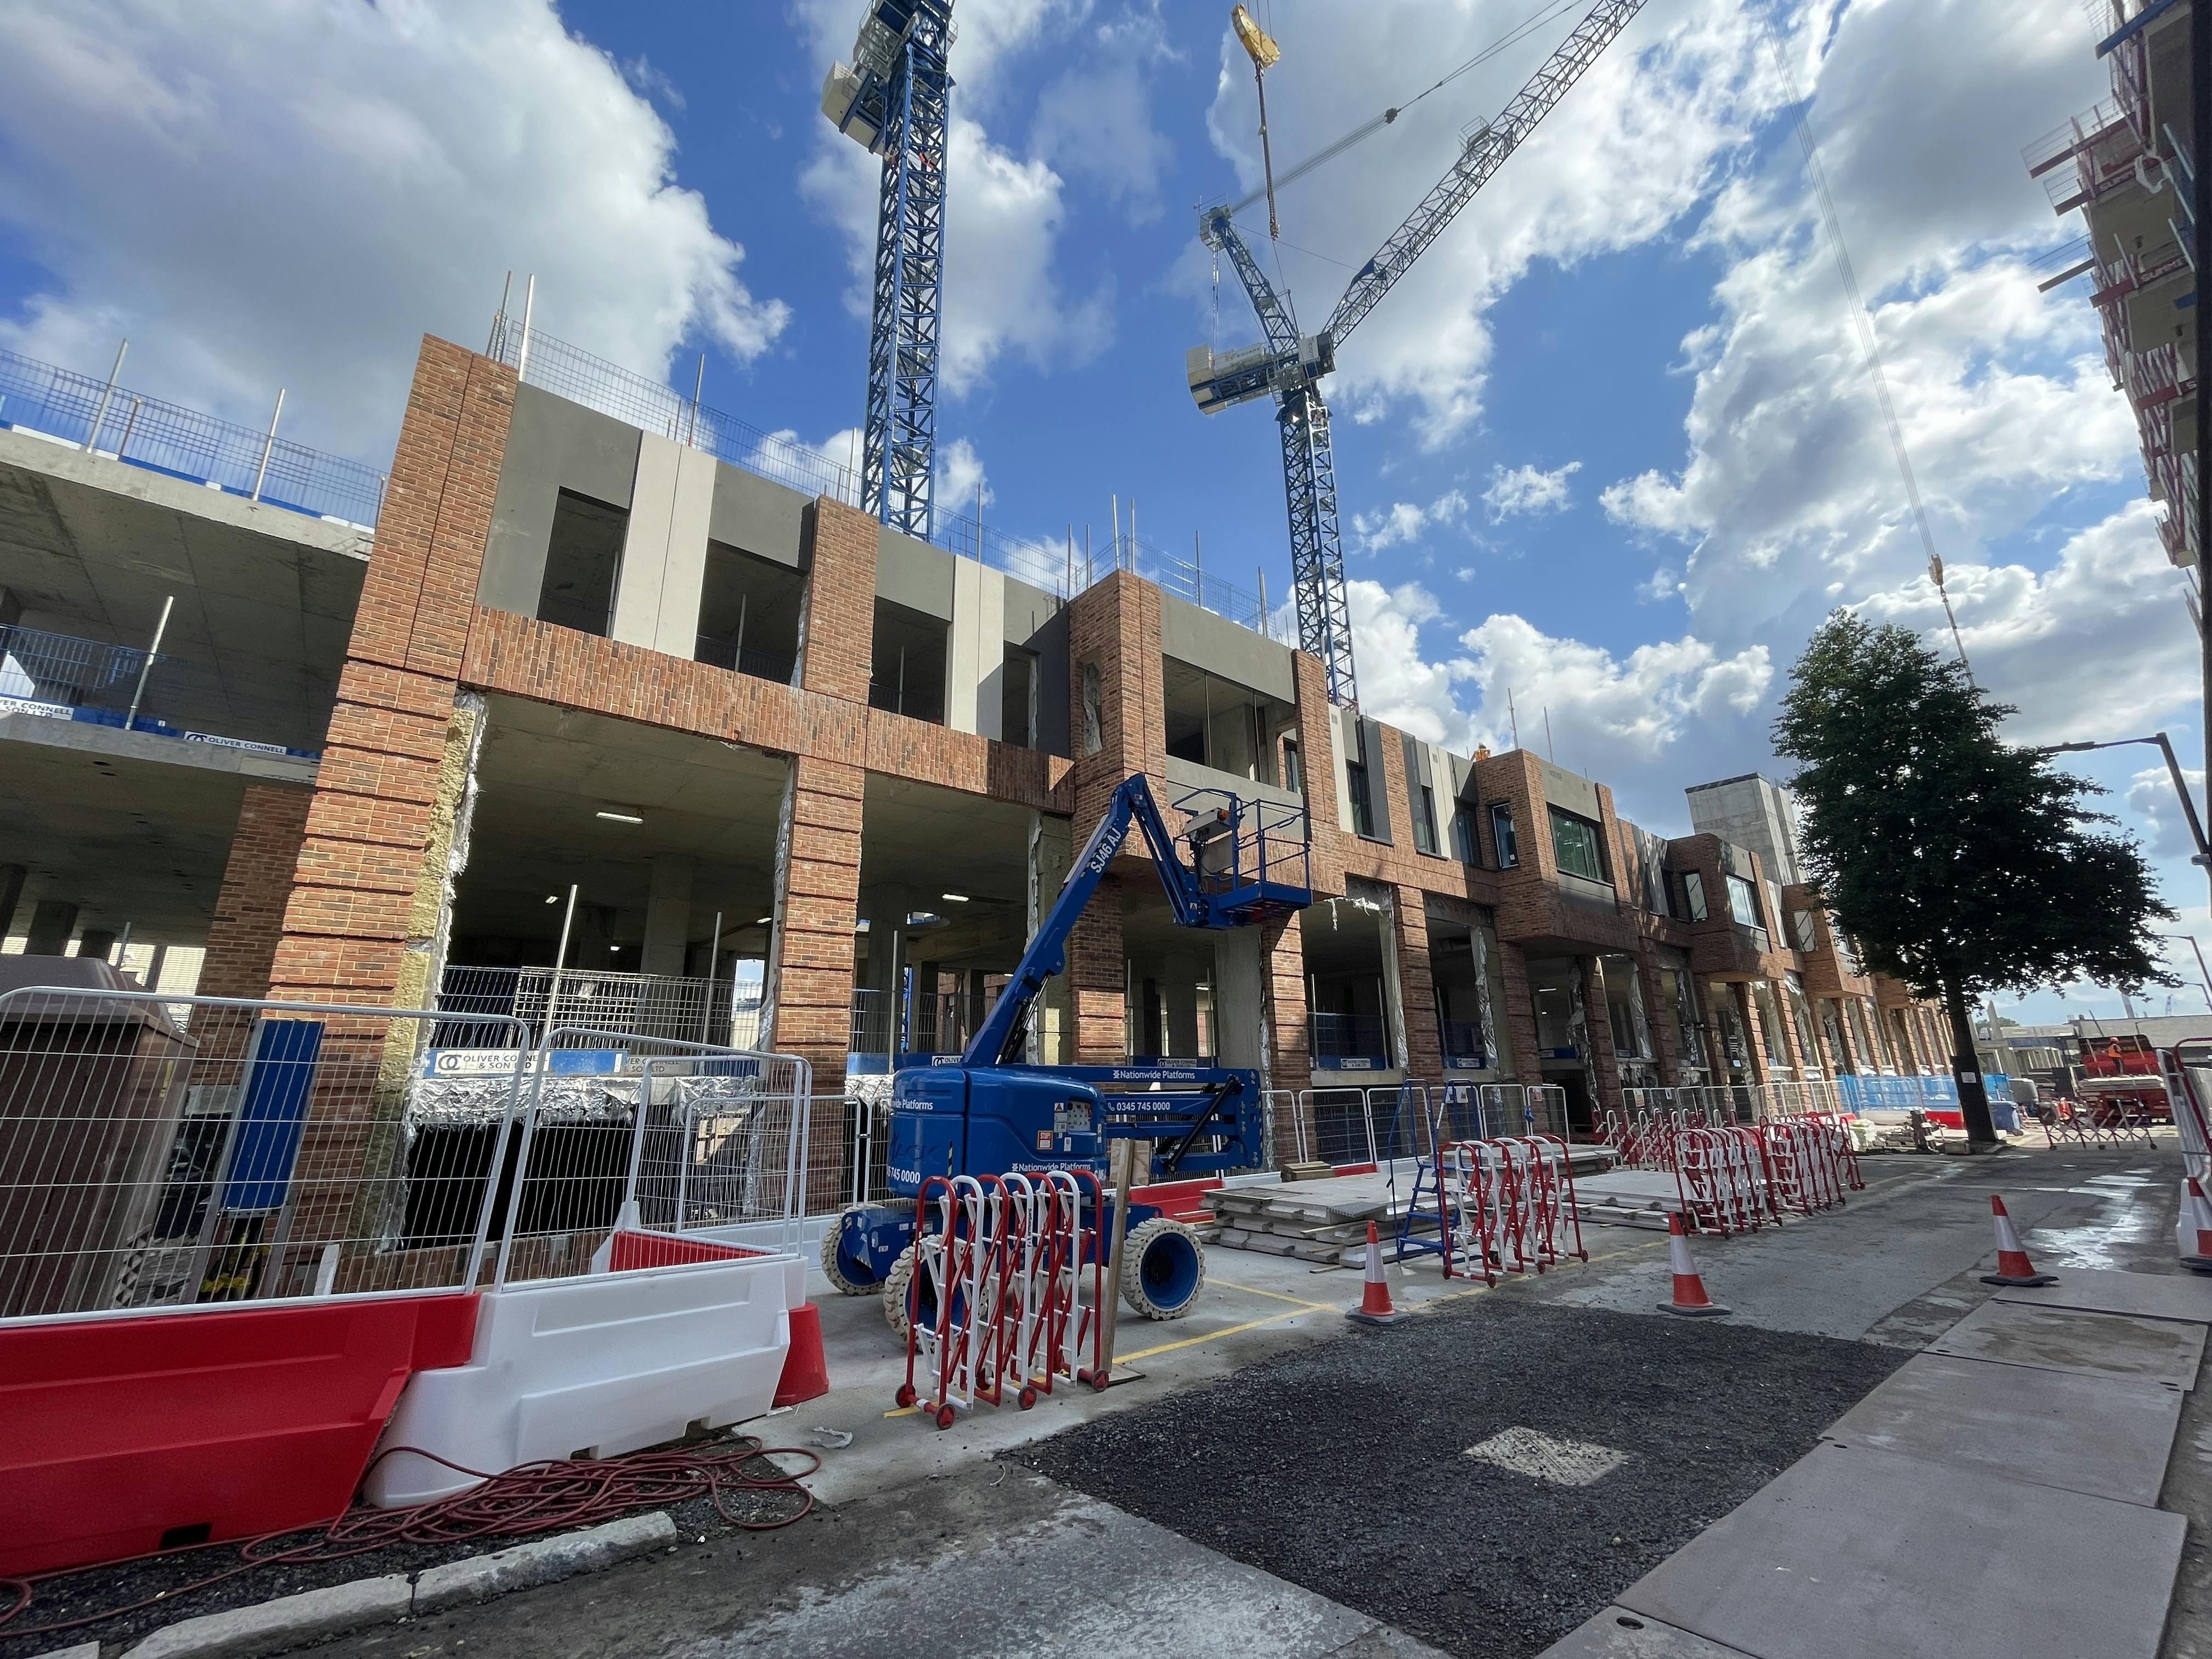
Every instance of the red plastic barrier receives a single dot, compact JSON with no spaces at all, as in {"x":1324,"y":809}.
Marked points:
{"x":129,"y":1434}
{"x":1356,"y":1169}
{"x":1183,"y":1199}
{"x":628,"y":1251}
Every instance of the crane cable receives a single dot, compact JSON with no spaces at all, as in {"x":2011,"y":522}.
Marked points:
{"x":1550,"y":12}
{"x":1869,"y":345}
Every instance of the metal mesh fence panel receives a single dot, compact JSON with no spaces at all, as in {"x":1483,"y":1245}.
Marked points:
{"x":245,"y":1151}
{"x":184,"y":443}
{"x":618,"y":1130}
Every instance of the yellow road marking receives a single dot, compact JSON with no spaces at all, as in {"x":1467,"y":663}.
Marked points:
{"x":1253,"y":1289}
{"x":1230,"y":1330}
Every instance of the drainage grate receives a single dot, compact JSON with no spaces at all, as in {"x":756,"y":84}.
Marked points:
{"x":1555,"y":1462}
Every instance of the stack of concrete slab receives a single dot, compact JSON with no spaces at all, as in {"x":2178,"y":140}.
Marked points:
{"x":1628,"y":1198}
{"x":1318,"y":1221}
{"x":1996,"y":1496}
{"x":1325,"y":1221}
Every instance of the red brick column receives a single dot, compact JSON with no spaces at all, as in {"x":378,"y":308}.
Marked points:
{"x":817,"y":881}
{"x":1116,"y":627}
{"x":837,"y":624}
{"x":1666,"y":1033}
{"x":1317,"y":771}
{"x":345,"y":926}
{"x":1290,"y":1055}
{"x":249,"y":910}
{"x":1097,"y":976}
{"x":1409,"y":932}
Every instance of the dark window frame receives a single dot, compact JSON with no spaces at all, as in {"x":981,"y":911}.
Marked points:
{"x":1561,"y":818}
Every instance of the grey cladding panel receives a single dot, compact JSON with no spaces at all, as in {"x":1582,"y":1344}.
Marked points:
{"x":1191,"y":635}
{"x":1027,"y":608}
{"x":1378,"y":793}
{"x":1565,"y":790}
{"x":1049,"y":641}
{"x":760,"y":516}
{"x":552,"y":445}
{"x":915,"y":574}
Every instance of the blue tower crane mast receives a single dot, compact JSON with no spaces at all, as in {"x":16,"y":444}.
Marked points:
{"x":893,"y":99}
{"x":1290,"y":365}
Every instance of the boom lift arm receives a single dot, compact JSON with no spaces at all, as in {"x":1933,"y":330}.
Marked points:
{"x":1209,"y":892}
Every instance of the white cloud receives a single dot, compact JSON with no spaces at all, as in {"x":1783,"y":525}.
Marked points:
{"x":1666,"y":714}
{"x":1403,"y":523}
{"x":2091,"y":648}
{"x":1095,"y":122}
{"x":961,"y":484}
{"x":289,"y":193}
{"x":1527,"y":490}
{"x":2151,"y":798}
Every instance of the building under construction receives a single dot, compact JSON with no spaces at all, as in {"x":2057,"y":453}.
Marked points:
{"x":621,"y":713}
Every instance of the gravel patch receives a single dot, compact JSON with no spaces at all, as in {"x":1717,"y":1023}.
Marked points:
{"x":76,"y":1594}
{"x":1341,"y":1467}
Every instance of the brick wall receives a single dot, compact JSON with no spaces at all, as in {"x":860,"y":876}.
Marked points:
{"x":371,"y":823}
{"x":249,"y":908}
{"x":837,"y":629}
{"x":1409,"y":932}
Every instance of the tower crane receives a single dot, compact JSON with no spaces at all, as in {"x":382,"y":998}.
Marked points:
{"x":894,"y":101}
{"x":1290,"y":365}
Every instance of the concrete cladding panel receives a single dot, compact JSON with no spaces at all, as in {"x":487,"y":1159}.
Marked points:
{"x":552,"y":445}
{"x":759,"y":515}
{"x":1190,"y":634}
{"x":1570,"y":793}
{"x":915,"y":574}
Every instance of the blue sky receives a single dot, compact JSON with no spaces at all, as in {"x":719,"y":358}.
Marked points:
{"x":1610,"y":446}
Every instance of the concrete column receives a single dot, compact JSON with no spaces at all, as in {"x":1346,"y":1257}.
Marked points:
{"x":1240,"y":999}
{"x":95,"y":943}
{"x":668,"y":915}
{"x":975,"y":654}
{"x":54,"y":922}
{"x":11,"y":894}
{"x":1050,"y":1037}
{"x":1597,"y":1021}
{"x":1178,"y":984}
{"x":664,"y":560}
{"x":1666,"y":1028}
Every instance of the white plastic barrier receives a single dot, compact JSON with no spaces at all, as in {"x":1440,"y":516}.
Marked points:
{"x":601,"y":1364}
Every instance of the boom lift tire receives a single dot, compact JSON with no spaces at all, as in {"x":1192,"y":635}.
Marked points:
{"x":1163,"y":1268}
{"x":895,"y":1293}
{"x":832,"y":1268}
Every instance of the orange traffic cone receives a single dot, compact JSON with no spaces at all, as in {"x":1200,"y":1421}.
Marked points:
{"x":1690,"y":1298}
{"x":2012,"y":1266}
{"x":806,"y":1369}
{"x":1375,"y":1307}
{"x":2194,"y":1233}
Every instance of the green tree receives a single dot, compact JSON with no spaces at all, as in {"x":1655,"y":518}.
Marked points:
{"x":1961,"y":864}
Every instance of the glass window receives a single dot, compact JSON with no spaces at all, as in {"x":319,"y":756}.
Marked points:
{"x":1425,"y":820}
{"x":1294,"y":778}
{"x":1501,"y":833}
{"x":1743,"y":901}
{"x":1463,"y":847}
{"x":1693,"y":894}
{"x":1809,"y":936}
{"x":1575,"y":840}
{"x":1363,"y":808}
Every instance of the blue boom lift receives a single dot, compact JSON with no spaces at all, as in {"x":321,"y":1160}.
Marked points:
{"x":1239,"y":863}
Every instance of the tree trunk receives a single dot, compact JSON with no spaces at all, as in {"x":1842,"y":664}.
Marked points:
{"x":1966,"y":1067}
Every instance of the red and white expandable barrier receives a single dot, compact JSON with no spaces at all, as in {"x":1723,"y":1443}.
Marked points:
{"x":1508,"y":1206}
{"x":996,"y":1301}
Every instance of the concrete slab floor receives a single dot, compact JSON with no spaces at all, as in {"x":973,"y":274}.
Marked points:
{"x":2161,"y":1351}
{"x":1842,"y":1272}
{"x":1617,"y":1633}
{"x":902,"y":1573}
{"x":1844,"y":1555}
{"x":2096,"y":1435}
{"x":2182,"y":1296}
